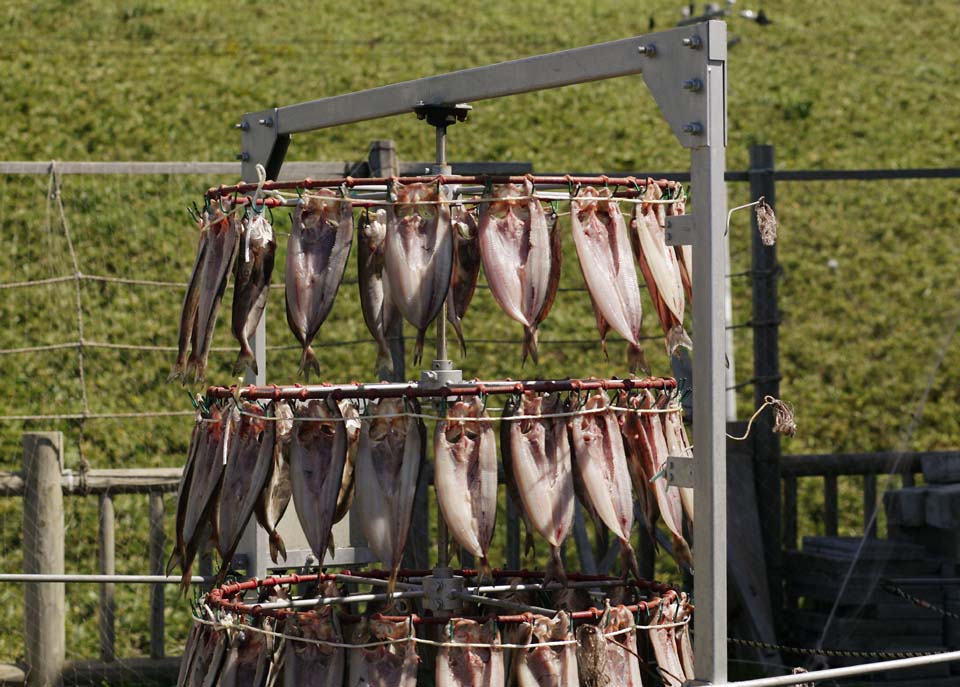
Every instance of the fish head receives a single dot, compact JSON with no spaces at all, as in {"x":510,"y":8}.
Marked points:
{"x":531,"y":404}
{"x":511,"y":199}
{"x":465,"y":223}
{"x":461,"y":424}
{"x":320,"y":420}
{"x":590,"y":421}
{"x":384,"y":629}
{"x":417,"y":201}
{"x":252,"y":421}
{"x":351,"y":419}
{"x":284,"y":414}
{"x":374,"y":229}
{"x":387,"y":419}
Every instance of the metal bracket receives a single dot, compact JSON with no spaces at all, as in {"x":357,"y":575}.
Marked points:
{"x":441,"y":373}
{"x":439,"y":593}
{"x":679,"y":230}
{"x":680,"y":471}
{"x":442,"y":116}
{"x":261,"y":144}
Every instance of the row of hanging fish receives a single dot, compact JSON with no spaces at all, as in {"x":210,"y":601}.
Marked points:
{"x":539,"y":652}
{"x":247,"y":460}
{"x":424,"y":249}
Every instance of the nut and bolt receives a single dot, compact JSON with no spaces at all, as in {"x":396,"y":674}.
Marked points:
{"x":243,"y":126}
{"x":693,"y":42}
{"x":266,"y":122}
{"x":649,"y":50}
{"x":244,"y":156}
{"x":694,"y":128}
{"x":694,"y":85}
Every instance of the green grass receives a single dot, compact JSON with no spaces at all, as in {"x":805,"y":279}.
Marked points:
{"x":830,"y":84}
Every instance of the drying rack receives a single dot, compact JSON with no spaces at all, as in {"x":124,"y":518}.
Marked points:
{"x":685,"y":70}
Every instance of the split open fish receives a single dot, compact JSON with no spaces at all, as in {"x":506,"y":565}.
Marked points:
{"x":602,"y":466}
{"x":251,"y":454}
{"x":666,"y":649}
{"x":212,"y":646}
{"x":466,"y":268}
{"x":541,"y":465}
{"x":592,"y":656}
{"x":393,"y":664}
{"x":638,"y":450}
{"x":248,"y":660}
{"x":189,"y":654}
{"x":622,"y":665}
{"x":603,"y":249}
{"x":678,"y":445}
{"x":318,"y":453}
{"x":317,"y":253}
{"x":391,"y":452}
{"x":251,"y":284}
{"x":470,"y":666}
{"x":351,"y":425}
{"x":684,"y":252}
{"x":315,"y":665}
{"x":659,"y":265}
{"x":511,"y":407}
{"x":199,"y":437}
{"x":465,"y":475}
{"x":274,"y":496}
{"x":191,"y":301}
{"x":379,"y":311}
{"x":682,"y":633}
{"x":419,"y":254}
{"x":205,"y":481}
{"x":547,"y":666}
{"x":521,"y":258}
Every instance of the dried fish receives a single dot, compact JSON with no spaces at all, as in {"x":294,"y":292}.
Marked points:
{"x":274,"y":496}
{"x":664,"y":641}
{"x":638,"y":450}
{"x":592,"y":656}
{"x":419,"y":254}
{"x":392,"y":450}
{"x":602,"y":466}
{"x":198,"y":441}
{"x":191,"y":303}
{"x":511,"y":407}
{"x":318,"y":453}
{"x":317,"y":253}
{"x":603,"y":249}
{"x":521,"y":258}
{"x":541,"y":466}
{"x":211,"y":652}
{"x":470,"y":666}
{"x":684,"y":252}
{"x":623,"y":666}
{"x":465,"y":475}
{"x":379,"y":312}
{"x":352,"y":425}
{"x":678,"y":445}
{"x":548,"y":666}
{"x":315,"y":665}
{"x":466,"y":268}
{"x":251,"y":284}
{"x":391,"y":664}
{"x":190,"y":651}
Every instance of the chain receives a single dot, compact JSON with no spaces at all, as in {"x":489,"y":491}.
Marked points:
{"x":833,"y":653}
{"x":891,"y":588}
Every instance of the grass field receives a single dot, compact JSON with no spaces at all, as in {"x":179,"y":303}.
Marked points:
{"x":869,"y":288}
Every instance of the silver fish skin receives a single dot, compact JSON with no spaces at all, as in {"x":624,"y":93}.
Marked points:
{"x":517,"y":253}
{"x":351,"y":425}
{"x":466,"y":268}
{"x":388,"y":665}
{"x":659,"y":265}
{"x":211,"y":652}
{"x":542,"y":468}
{"x":678,"y":445}
{"x":198,"y":437}
{"x":318,"y":453}
{"x":592,"y":656}
{"x":390,"y":455}
{"x":419,"y":254}
{"x":685,"y":252}
{"x":545,"y":666}
{"x":317,"y":253}
{"x":469,"y":666}
{"x":251,"y":284}
{"x":465,"y":476}
{"x":221,"y":252}
{"x":191,"y":302}
{"x":315,"y":665}
{"x":603,"y":249}
{"x":189,"y":654}
{"x":511,"y":407}
{"x":665,"y":649}
{"x":636,"y":444}
{"x":275,"y":494}
{"x":206,"y":481}
{"x":248,"y":452}
{"x":623,"y":667}
{"x":602,"y":465}
{"x":379,"y":312}
{"x":241,"y":664}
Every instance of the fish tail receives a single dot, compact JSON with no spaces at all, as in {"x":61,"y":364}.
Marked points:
{"x":178,"y":371}
{"x":185,"y":579}
{"x":486,"y":572}
{"x":244,"y":359}
{"x":391,"y":586}
{"x":636,"y":359}
{"x":277,"y":547}
{"x":555,"y":571}
{"x":681,"y":551}
{"x":384,"y":365}
{"x":418,"y":347}
{"x":677,"y":337}
{"x":458,"y":330}
{"x":175,"y":560}
{"x":629,"y":557}
{"x":308,"y":362}
{"x":530,"y":345}
{"x":528,"y":547}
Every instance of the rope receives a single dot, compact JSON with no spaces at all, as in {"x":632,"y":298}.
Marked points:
{"x":36,"y":282}
{"x":783,"y":422}
{"x":832,"y":653}
{"x":891,"y":588}
{"x":96,"y":416}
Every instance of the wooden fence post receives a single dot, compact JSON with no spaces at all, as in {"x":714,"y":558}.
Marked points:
{"x":43,"y":603}
{"x":766,"y":372}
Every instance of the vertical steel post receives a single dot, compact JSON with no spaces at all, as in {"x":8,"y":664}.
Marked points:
{"x":157,"y":593}
{"x":108,"y":590}
{"x":707,"y":164}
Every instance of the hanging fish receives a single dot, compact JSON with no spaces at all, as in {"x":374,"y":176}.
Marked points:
{"x":465,"y":476}
{"x":665,"y":648}
{"x":251,"y":284}
{"x":250,"y":455}
{"x":659,"y":265}
{"x":274,"y":496}
{"x":191,"y":303}
{"x":602,"y":465}
{"x":213,"y":644}
{"x":470,"y":666}
{"x":668,"y":498}
{"x":678,"y":445}
{"x":391,"y":453}
{"x":419,"y":254}
{"x":511,"y":407}
{"x":521,"y":258}
{"x":636,"y":444}
{"x":351,"y":425}
{"x":622,"y":665}
{"x":318,"y":453}
{"x":246,"y":663}
{"x":466,"y":268}
{"x":547,"y":666}
{"x":205,"y":485}
{"x":592,"y":657}
{"x":199,"y":438}
{"x":603,"y":249}
{"x":682,"y":633}
{"x":684,"y":252}
{"x":389,"y":665}
{"x":317,"y":253}
{"x":315,"y":665}
{"x":541,"y":466}
{"x":379,"y":312}
{"x":190,"y":650}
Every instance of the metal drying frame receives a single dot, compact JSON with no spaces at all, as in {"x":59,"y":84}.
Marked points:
{"x":685,"y":70}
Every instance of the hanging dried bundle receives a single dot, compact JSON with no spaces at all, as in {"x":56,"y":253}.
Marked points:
{"x":783,"y":422}
{"x":766,"y":223}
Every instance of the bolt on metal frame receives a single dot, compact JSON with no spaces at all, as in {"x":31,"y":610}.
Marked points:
{"x":685,"y":70}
